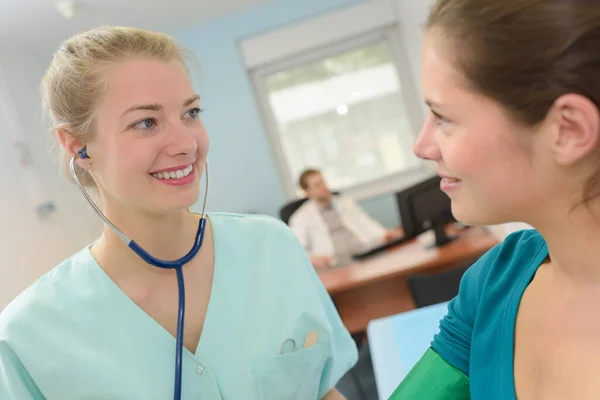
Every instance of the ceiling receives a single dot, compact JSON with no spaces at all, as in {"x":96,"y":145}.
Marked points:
{"x":34,"y":26}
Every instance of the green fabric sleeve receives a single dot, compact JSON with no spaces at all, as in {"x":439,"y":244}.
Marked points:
{"x":432,"y":378}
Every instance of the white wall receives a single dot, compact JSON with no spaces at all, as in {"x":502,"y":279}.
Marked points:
{"x":31,"y":245}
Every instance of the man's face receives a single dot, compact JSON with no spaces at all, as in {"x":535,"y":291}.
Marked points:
{"x":317,"y":189}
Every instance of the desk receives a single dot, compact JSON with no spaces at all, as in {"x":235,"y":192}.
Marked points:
{"x":377,"y":287}
{"x":398,"y":342}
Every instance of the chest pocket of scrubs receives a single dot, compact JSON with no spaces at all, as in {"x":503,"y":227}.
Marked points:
{"x":291,"y":376}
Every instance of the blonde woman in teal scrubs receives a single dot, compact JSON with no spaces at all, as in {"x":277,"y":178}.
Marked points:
{"x":101,"y":325}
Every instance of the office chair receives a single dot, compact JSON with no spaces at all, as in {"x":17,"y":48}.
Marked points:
{"x":286,"y":212}
{"x":437,"y":287}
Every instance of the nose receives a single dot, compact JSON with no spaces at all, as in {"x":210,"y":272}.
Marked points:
{"x":182,"y":140}
{"x":426,"y":146}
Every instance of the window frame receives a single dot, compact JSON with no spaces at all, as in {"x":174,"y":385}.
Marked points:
{"x":390,"y":183}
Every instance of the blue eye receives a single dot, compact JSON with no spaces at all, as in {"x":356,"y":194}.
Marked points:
{"x":194,"y":113}
{"x":145,"y":124}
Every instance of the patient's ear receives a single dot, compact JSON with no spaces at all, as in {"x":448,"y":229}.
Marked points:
{"x":576,"y":128}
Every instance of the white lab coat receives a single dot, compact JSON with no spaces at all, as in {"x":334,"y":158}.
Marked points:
{"x":312,"y":232}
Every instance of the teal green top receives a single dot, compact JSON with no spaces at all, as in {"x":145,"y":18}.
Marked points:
{"x":477,"y":335}
{"x":74,"y":334}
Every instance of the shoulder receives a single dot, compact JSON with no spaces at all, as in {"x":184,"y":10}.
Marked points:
{"x":43,"y":297}
{"x":484,"y":285}
{"x":503,"y":264}
{"x":304,"y":211}
{"x":251,"y":227}
{"x":247,"y":222}
{"x":516,"y":246}
{"x":344,"y":200}
{"x":262,"y":241}
{"x":31,"y":323}
{"x":346,"y":204}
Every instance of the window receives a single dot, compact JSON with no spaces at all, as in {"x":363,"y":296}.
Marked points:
{"x":343,"y":110}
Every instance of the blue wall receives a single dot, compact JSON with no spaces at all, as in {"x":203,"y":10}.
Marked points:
{"x":244,"y":176}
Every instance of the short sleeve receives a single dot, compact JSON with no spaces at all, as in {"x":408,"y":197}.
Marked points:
{"x":15,"y":382}
{"x":453,"y":342}
{"x":342,"y":351}
{"x":483,"y":298}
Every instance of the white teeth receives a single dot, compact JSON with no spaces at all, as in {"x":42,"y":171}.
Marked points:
{"x":174,"y":174}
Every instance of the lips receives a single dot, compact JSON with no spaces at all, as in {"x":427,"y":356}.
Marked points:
{"x":449,"y":183}
{"x":450,"y":180}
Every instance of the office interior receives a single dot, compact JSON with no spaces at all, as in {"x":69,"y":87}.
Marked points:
{"x":285,"y":85}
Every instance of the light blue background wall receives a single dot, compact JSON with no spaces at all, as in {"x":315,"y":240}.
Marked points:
{"x":244,"y":176}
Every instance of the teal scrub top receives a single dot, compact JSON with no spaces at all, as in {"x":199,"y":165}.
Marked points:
{"x":477,"y":335}
{"x":74,"y":334}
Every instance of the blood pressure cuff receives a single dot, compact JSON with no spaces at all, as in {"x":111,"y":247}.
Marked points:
{"x":432,"y":378}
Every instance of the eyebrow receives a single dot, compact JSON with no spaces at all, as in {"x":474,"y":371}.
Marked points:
{"x":432,"y":104}
{"x":191,"y":100}
{"x":158,"y":107}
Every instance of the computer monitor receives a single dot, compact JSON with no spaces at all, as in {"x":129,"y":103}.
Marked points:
{"x":425,"y":206}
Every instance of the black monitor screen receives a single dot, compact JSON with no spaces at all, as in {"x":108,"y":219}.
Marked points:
{"x":430,"y":207}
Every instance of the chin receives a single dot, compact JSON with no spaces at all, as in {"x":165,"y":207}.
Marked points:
{"x":474,"y":217}
{"x":185,"y":204}
{"x":174,"y":205}
{"x":173,"y":209}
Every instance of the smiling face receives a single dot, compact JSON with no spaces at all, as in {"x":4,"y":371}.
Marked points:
{"x":150,"y":145}
{"x":494,"y":169}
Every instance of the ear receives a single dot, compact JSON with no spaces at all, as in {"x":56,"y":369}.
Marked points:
{"x":72,"y":146}
{"x":576,"y":121}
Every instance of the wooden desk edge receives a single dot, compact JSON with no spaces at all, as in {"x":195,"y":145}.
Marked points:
{"x":335,"y":287}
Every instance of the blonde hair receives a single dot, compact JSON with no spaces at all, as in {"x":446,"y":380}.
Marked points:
{"x":74,"y":83}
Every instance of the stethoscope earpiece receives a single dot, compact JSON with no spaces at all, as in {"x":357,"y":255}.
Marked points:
{"x":83,"y":153}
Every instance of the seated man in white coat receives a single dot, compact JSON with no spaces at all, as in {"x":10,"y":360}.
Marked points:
{"x":333,"y":228}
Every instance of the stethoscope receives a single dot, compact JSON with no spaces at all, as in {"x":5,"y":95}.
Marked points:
{"x":144,"y":255}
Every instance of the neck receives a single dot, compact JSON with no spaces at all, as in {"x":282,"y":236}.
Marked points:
{"x":165,"y":236}
{"x":323,"y":203}
{"x":573,"y":239}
